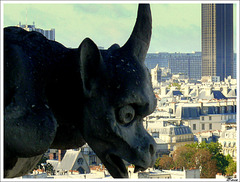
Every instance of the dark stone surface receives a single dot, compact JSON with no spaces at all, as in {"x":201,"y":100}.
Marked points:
{"x":55,"y":97}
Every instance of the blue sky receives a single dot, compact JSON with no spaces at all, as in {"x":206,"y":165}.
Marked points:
{"x":176,"y":27}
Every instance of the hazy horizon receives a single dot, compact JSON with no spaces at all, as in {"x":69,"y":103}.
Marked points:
{"x":176,"y":27}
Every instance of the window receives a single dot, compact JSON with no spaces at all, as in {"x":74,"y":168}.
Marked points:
{"x":92,"y":159}
{"x":210,"y":126}
{"x":204,"y":110}
{"x":229,"y":144}
{"x":203,"y":126}
{"x":194,"y":126}
{"x":80,"y":161}
{"x":210,"y":117}
{"x":155,"y":134}
{"x":203,"y":118}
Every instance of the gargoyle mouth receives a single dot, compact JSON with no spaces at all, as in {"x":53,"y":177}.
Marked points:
{"x":117,"y":168}
{"x":139,"y":168}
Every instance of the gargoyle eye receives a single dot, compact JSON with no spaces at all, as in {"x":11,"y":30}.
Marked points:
{"x":126,"y":114}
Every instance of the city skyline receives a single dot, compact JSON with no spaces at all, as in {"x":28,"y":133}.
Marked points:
{"x":176,"y":27}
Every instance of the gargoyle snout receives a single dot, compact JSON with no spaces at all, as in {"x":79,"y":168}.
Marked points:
{"x":147,"y":151}
{"x":152,"y":150}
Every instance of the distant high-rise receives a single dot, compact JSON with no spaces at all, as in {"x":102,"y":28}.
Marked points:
{"x":217,"y":40}
{"x":49,"y":34}
{"x":186,"y":63}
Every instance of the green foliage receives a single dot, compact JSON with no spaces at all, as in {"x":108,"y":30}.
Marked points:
{"x":175,"y":85}
{"x":206,"y":156}
{"x":156,"y":165}
{"x":215,"y":149}
{"x":232,"y":167}
{"x":229,"y":158}
{"x":192,"y":156}
{"x":193,"y":145}
{"x":183,"y":157}
{"x":222,"y":163}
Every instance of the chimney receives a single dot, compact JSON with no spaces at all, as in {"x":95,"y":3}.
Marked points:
{"x":163,"y":91}
{"x":225,"y":90}
{"x":187,"y":90}
{"x":59,"y":155}
{"x":233,"y":106}
{"x":201,"y":107}
{"x":174,"y":107}
{"x":51,"y":157}
{"x":208,"y":91}
{"x":197,"y":91}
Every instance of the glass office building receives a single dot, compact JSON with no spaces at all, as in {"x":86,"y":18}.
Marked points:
{"x":217,"y":40}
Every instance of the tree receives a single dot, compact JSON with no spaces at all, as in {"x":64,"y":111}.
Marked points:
{"x":49,"y":168}
{"x":156,"y":165}
{"x":215,"y":149}
{"x":203,"y":160}
{"x":229,"y":158}
{"x":222,"y":163}
{"x":42,"y":160}
{"x":183,"y":157}
{"x":232,"y":166}
{"x":192,"y":157}
{"x":165,"y":162}
{"x":175,"y":85}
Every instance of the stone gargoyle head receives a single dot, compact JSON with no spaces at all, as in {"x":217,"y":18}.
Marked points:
{"x":56,"y":97}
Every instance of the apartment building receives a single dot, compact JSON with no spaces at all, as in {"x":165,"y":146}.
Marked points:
{"x":206,"y":116}
{"x":49,"y":34}
{"x":228,"y":138}
{"x":171,"y":131}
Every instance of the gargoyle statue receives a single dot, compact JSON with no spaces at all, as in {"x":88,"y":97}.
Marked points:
{"x":57,"y":97}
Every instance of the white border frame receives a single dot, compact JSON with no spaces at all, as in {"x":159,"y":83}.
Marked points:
{"x":115,"y":2}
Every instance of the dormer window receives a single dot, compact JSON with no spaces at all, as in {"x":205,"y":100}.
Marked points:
{"x":229,"y":144}
{"x":234,"y":143}
{"x":224,"y":144}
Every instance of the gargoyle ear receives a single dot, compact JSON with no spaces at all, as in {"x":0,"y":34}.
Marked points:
{"x":91,"y":65}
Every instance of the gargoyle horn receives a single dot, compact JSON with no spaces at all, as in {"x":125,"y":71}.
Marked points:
{"x":139,"y":41}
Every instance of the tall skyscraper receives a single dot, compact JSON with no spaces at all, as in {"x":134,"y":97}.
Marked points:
{"x":217,"y":40}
